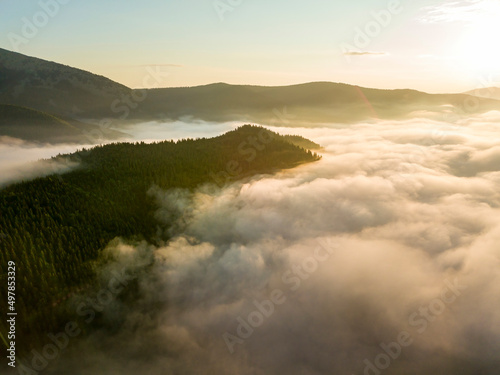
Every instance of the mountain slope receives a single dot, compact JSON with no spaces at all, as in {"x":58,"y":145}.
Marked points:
{"x":486,"y":92}
{"x":318,"y":102}
{"x":29,"y":124}
{"x":55,"y":88}
{"x":305,"y":143}
{"x":54,"y":227}
{"x":75,"y":94}
{"x":35,"y":126}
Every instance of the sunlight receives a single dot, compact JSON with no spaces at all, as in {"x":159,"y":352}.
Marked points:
{"x":250,"y":187}
{"x":478,"y":50}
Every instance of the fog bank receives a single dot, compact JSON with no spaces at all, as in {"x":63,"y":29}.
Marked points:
{"x":382,"y":257}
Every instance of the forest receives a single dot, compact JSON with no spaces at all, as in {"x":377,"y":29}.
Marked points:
{"x":55,"y":227}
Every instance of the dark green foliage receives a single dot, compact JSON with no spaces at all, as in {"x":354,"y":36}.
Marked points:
{"x":297,"y":140}
{"x":35,"y":126}
{"x":29,"y":124}
{"x":55,"y":227}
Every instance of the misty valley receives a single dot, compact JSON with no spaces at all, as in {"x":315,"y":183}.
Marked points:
{"x":311,"y":229}
{"x":63,"y":222}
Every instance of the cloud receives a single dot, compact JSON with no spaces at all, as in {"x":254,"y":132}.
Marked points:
{"x":454,"y":11}
{"x":363,"y":53}
{"x":157,"y":130}
{"x":386,"y":236}
{"x":21,"y":160}
{"x":162,"y":65}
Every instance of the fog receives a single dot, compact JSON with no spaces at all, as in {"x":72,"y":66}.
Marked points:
{"x":381,"y":258}
{"x":157,"y":131}
{"x":22,"y":160}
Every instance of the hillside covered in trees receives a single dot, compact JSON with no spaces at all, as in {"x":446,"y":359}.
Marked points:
{"x":35,"y":126}
{"x":54,"y":227}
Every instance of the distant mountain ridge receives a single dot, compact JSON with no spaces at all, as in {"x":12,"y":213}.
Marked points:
{"x":486,"y":92}
{"x":26,"y":123}
{"x":54,"y":88}
{"x":300,"y":105}
{"x":74,"y":94}
{"x":36,"y":126}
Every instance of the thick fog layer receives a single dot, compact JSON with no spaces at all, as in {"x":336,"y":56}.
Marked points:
{"x":20,"y":160}
{"x":382,"y":258}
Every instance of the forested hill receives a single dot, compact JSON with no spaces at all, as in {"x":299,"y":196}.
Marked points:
{"x":26,"y":123}
{"x":55,"y":227}
{"x":35,"y":126}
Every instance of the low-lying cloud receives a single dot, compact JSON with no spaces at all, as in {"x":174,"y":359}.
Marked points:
{"x":363,"y":53}
{"x":21,"y":160}
{"x":158,"y":130}
{"x":382,"y":258}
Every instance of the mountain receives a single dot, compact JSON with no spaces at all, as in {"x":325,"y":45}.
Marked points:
{"x":35,"y":126}
{"x":318,"y":102}
{"x":74,"y":94}
{"x":486,"y":92}
{"x":55,"y":227}
{"x":297,"y":140}
{"x":55,"y":88}
{"x":46,"y":100}
{"x":29,"y":124}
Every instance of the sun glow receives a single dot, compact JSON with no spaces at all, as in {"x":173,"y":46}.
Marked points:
{"x":479,"y":49}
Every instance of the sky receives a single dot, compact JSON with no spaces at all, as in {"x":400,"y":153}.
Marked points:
{"x":429,"y":45}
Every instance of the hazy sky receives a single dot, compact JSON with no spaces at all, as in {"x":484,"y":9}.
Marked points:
{"x":431,"y":45}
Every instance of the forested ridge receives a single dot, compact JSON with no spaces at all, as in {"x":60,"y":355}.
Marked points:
{"x":54,"y":227}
